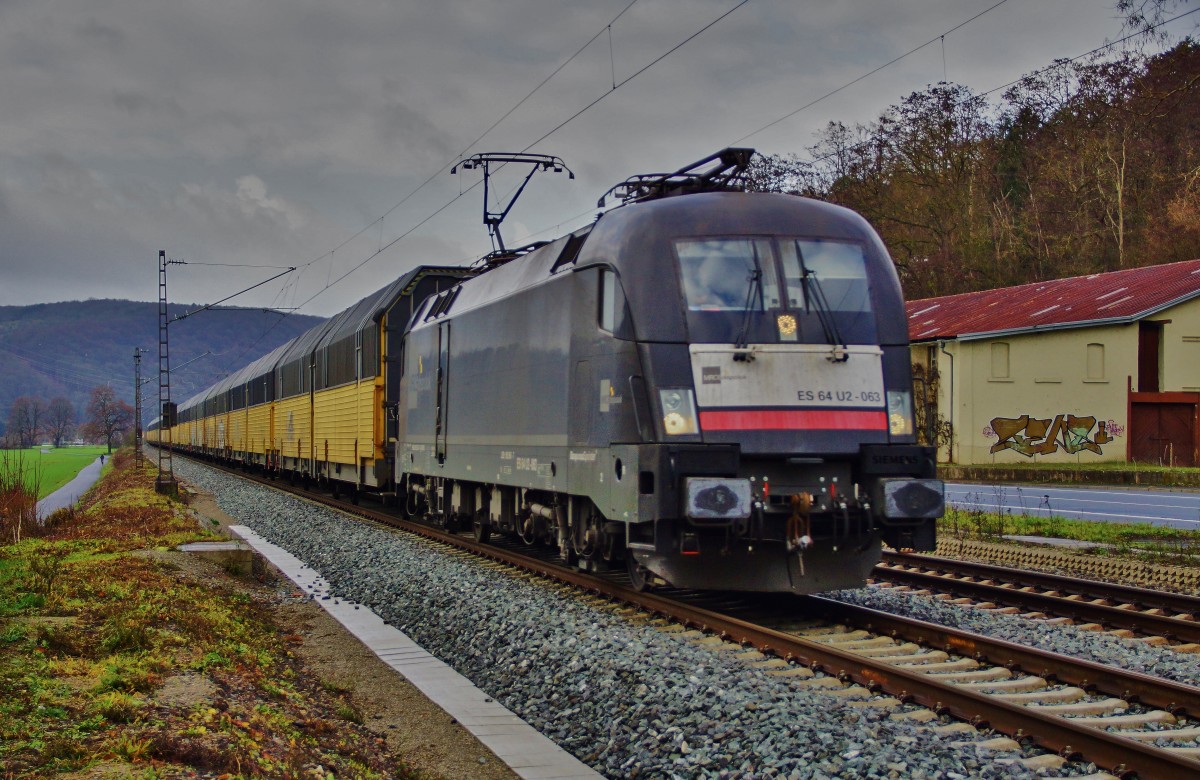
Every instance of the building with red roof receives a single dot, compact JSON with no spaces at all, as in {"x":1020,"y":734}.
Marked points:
{"x":1098,"y":367}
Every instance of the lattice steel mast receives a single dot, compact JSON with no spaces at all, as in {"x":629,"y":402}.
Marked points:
{"x":137,"y":406}
{"x":165,"y":481}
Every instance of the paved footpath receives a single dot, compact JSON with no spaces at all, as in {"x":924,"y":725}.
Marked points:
{"x":69,"y":493}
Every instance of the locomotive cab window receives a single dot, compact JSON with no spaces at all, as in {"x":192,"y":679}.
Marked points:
{"x":728,"y":274}
{"x":612,"y":312}
{"x":836,"y":270}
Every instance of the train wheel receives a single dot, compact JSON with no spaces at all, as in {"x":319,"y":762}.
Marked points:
{"x":413,"y":505}
{"x":586,"y":536}
{"x":639,"y":578}
{"x":526,"y":529}
{"x":566,"y":552}
{"x":483,"y":531}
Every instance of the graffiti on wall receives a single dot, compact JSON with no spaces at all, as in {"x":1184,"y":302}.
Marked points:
{"x":1031,"y":436}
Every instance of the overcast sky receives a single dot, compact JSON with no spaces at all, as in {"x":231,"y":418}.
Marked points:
{"x":270,"y":133}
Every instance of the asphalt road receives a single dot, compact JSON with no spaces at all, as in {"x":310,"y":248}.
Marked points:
{"x":1177,"y":508}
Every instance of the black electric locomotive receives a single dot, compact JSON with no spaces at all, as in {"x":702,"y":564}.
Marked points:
{"x":709,"y":386}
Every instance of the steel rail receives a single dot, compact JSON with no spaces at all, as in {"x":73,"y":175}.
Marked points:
{"x":1123,"y":756}
{"x":1086,"y":611}
{"x":1179,"y":603}
{"x":1175,"y":697}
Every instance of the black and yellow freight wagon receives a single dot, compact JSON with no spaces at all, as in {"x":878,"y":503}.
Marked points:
{"x":316,"y":408}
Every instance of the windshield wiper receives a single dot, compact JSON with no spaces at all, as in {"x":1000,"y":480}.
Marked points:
{"x":741,"y":353}
{"x":813,"y":292}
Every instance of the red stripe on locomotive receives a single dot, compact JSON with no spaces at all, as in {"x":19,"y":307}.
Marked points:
{"x":793,"y":419}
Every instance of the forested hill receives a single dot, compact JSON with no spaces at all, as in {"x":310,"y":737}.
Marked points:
{"x":66,"y":349}
{"x":1078,"y":168}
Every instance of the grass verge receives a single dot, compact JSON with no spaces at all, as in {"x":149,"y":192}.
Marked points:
{"x":1081,"y":472}
{"x":113,"y":663}
{"x":1159,"y":544}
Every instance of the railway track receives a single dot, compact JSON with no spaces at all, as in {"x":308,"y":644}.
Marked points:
{"x":1131,"y":724}
{"x":1157,"y":616}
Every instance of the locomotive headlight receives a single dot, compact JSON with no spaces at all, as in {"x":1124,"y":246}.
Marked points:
{"x":679,"y":411}
{"x":787,"y":327}
{"x":900,"y":414}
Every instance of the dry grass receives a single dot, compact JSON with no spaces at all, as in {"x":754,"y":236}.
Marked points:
{"x":90,"y":631}
{"x":1142,"y":541}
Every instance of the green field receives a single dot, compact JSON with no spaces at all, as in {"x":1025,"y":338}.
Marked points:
{"x":55,"y":467}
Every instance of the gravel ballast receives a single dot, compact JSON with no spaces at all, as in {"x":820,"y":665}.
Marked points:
{"x":1129,"y":654}
{"x":628,"y":700}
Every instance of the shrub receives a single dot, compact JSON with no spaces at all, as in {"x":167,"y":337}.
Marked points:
{"x":117,"y":707}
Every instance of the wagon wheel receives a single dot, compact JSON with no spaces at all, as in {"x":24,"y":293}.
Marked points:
{"x":587,"y":535}
{"x":482,"y":531}
{"x":412,"y":505}
{"x":567,"y":554}
{"x":527,"y":528}
{"x":639,"y":576}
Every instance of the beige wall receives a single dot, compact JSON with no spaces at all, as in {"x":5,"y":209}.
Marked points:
{"x":1181,"y":347}
{"x":1046,"y":378}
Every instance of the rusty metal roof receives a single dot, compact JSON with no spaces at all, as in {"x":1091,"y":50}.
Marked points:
{"x":1109,"y":298}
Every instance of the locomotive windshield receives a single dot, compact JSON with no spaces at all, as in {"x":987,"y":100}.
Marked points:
{"x":837,"y":266}
{"x":718,"y":274}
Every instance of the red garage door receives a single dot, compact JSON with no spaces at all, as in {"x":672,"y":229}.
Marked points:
{"x":1163,"y":433}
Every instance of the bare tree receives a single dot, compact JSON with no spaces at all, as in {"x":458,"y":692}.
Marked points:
{"x":26,"y":419}
{"x":1144,"y":16}
{"x":1084,"y":166}
{"x":107,"y":416}
{"x":60,"y":419}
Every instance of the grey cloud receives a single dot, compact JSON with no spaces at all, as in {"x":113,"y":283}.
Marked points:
{"x":270,"y":132}
{"x":94,"y":30}
{"x":143,"y":103}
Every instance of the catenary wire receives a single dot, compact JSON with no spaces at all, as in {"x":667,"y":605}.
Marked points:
{"x":1056,"y":64}
{"x":868,"y":74}
{"x":823,"y":157}
{"x":294,"y":284}
{"x":940,"y":36}
{"x":637,"y":73}
{"x":551,"y":132}
{"x":479,"y":138}
{"x":564,"y":123}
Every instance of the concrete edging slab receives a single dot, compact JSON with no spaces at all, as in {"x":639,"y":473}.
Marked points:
{"x":525,"y":750}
